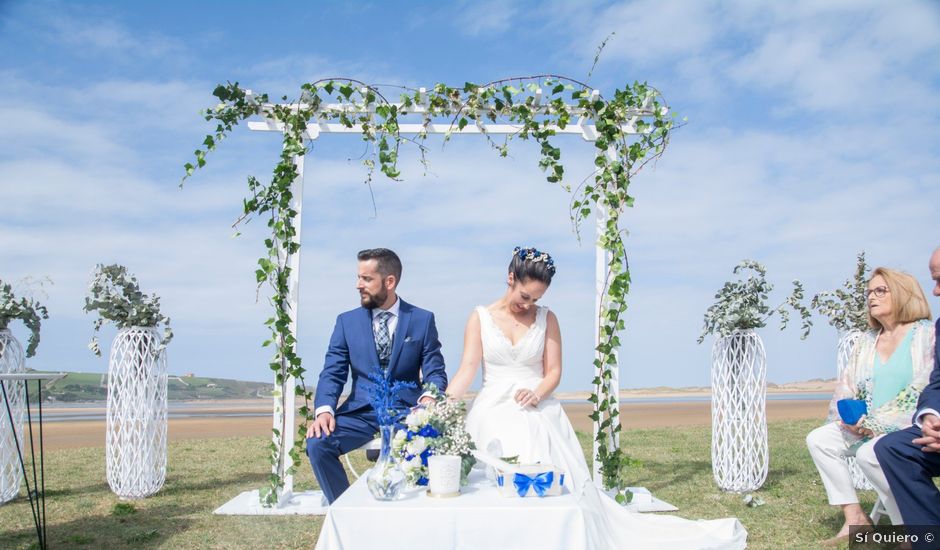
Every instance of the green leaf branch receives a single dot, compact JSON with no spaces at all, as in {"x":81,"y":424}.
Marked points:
{"x":115,"y":296}
{"x":24,"y":308}
{"x":846,"y":308}
{"x":742,"y":304}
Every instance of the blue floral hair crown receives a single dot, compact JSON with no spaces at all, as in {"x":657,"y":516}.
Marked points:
{"x":535,"y":255}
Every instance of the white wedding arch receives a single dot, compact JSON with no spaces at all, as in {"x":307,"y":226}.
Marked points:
{"x":420,"y":118}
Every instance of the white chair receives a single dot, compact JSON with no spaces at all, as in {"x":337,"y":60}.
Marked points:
{"x":877,"y":511}
{"x":371,"y":448}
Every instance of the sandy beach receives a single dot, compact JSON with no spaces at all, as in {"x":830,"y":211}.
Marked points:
{"x":253,"y":419}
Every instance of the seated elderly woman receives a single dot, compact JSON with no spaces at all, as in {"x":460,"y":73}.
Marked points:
{"x":889,"y":367}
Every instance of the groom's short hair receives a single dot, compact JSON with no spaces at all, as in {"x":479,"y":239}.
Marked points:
{"x":387,"y":261}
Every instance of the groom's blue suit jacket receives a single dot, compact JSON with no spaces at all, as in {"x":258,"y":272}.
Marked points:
{"x":416,"y":357}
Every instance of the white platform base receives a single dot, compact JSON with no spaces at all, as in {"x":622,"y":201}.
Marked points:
{"x":652,"y":505}
{"x":308,"y":503}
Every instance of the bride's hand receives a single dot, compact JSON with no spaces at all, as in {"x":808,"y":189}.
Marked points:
{"x":527,"y":398}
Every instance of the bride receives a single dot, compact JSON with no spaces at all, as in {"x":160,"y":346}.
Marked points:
{"x":519,"y":344}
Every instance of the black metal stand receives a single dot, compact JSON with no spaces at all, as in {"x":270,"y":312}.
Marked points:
{"x":36,"y":494}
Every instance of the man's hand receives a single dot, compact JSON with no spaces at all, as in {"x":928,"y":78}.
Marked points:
{"x":930,"y":428}
{"x":323,"y":424}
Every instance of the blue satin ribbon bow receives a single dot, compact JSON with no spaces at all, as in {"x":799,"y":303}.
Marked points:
{"x":541,"y":483}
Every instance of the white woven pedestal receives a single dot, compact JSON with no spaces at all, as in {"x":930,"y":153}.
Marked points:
{"x":847,"y":341}
{"x":739,"y":415}
{"x":135,"y":447}
{"x":11,"y":361}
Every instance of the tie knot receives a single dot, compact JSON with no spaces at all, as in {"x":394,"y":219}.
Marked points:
{"x":383,"y":316}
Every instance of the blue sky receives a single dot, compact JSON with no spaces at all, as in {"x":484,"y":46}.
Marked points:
{"x":812,"y":134}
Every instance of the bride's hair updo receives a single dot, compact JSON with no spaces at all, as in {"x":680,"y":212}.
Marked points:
{"x":531,"y":263}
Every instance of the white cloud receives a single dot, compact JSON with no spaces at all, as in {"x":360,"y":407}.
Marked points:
{"x":648,"y":32}
{"x":486,"y":16}
{"x":30,"y":131}
{"x":834,"y":56}
{"x":89,"y":34}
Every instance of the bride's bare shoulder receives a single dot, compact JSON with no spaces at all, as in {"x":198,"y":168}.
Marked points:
{"x":550,"y":317}
{"x":474,"y":318}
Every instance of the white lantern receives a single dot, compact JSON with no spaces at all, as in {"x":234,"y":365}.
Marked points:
{"x":739,"y":413}
{"x":137,"y":413}
{"x":11,"y":361}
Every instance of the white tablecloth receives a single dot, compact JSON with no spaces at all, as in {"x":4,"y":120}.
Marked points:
{"x":480,"y":518}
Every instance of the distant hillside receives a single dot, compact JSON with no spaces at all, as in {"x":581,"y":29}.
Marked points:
{"x":85,"y":386}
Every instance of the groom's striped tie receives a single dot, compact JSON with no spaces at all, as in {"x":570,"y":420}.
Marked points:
{"x":383,"y":341}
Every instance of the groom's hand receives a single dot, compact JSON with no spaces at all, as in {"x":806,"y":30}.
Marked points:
{"x":323,"y":424}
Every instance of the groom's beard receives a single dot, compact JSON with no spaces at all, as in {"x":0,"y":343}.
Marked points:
{"x":372,"y":301}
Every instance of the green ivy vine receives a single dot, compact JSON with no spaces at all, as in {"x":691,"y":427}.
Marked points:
{"x":537,"y":106}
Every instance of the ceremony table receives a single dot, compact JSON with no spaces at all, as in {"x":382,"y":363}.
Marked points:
{"x":479,"y":518}
{"x":36,"y":492}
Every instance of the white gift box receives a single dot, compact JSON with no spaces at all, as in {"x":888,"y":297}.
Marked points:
{"x":524,"y":480}
{"x":527,"y":478}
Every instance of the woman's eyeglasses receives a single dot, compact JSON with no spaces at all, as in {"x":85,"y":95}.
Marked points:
{"x":879,"y":292}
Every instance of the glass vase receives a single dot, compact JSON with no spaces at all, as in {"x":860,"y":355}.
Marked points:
{"x":386,"y":479}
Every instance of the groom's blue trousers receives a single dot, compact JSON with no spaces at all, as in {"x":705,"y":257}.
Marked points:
{"x":352,"y":431}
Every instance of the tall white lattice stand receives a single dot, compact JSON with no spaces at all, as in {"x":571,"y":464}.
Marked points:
{"x":847,"y":341}
{"x":11,"y":361}
{"x":135,"y":447}
{"x":739,"y":413}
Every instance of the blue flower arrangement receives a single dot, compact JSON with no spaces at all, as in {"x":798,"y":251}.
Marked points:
{"x":383,"y":395}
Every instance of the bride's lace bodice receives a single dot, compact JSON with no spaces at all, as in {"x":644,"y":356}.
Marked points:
{"x":505,"y":363}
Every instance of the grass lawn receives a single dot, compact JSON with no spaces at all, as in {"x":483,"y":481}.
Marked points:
{"x":83,"y":513}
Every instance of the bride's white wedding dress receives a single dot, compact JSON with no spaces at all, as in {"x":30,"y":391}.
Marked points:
{"x":544,"y":434}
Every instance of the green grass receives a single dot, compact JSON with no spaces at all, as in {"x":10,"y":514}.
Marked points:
{"x":675,"y":465}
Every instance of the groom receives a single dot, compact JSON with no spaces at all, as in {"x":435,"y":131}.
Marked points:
{"x":385,"y":332}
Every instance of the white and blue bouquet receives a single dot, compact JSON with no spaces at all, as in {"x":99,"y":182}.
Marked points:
{"x":436,"y":430}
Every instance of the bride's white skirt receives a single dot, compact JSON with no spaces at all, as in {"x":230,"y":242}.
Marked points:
{"x":544,"y":434}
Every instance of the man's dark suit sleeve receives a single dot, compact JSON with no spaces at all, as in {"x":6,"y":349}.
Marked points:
{"x":335,"y":369}
{"x":432,"y":361}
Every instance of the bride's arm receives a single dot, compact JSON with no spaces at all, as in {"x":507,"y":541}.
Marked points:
{"x":470,"y":362}
{"x":551,"y":359}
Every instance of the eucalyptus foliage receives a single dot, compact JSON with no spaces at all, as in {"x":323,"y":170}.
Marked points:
{"x":846,"y":308}
{"x":742,"y":304}
{"x":516,"y":101}
{"x":25,"y":309}
{"x":115,"y":295}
